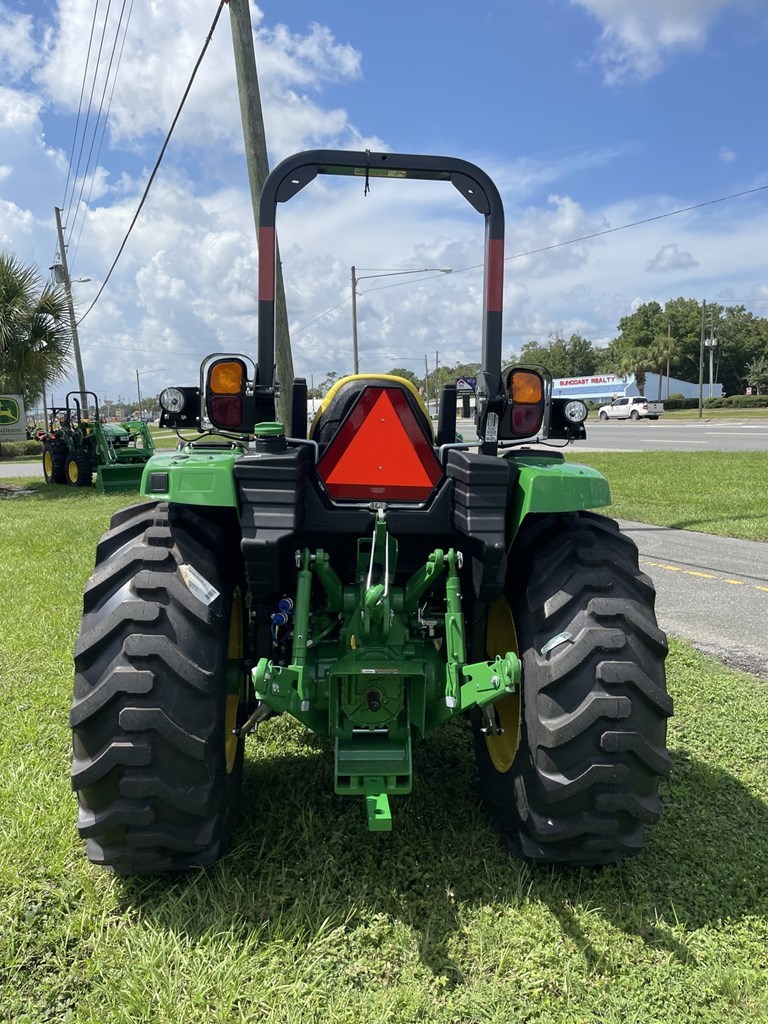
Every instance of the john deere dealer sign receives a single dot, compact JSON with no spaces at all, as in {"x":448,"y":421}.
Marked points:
{"x":13,"y":422}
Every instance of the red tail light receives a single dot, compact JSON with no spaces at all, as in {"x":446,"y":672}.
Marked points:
{"x":226,"y":411}
{"x":381,"y":452}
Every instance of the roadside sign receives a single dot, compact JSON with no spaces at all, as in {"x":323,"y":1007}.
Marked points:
{"x":13,"y":421}
{"x":466,"y":384}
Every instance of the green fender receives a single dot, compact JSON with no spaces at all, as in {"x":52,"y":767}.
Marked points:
{"x":545,"y":483}
{"x":192,"y":478}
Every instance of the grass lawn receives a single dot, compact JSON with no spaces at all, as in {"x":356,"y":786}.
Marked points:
{"x":716,"y":414}
{"x":310,"y":918}
{"x":713,"y":492}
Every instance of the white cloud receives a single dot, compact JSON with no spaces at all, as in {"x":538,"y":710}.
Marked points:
{"x":638,"y":35}
{"x":727,"y":155}
{"x":670,"y":258}
{"x":157,"y":60}
{"x":17,"y":48}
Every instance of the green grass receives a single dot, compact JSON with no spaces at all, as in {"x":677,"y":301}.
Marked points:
{"x":309,"y":918}
{"x":713,"y":492}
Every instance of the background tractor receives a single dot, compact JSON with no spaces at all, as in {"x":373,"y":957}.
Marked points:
{"x":374,"y":580}
{"x":78,"y":447}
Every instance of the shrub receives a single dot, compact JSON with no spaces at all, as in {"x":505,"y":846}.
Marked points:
{"x":680,"y":403}
{"x":20,"y":449}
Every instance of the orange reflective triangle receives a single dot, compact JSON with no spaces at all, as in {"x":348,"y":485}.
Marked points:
{"x":380,"y":452}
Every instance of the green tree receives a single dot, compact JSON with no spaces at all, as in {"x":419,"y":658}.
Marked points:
{"x":757,"y":374}
{"x":633,"y":351}
{"x":582,"y":355}
{"x":742,"y":338}
{"x":401,"y":371}
{"x":327,"y":383}
{"x":562,"y":358}
{"x":35,"y":331}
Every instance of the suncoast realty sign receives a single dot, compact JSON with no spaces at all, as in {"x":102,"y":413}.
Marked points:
{"x":576,"y":382}
{"x":597,"y":387}
{"x":13,"y":422}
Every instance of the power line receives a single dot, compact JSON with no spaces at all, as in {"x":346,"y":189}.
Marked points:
{"x":88,"y":112}
{"x":96,"y":125}
{"x":569,"y":241}
{"x":300,"y":329}
{"x":159,"y":159}
{"x":80,"y":104}
{"x":103,"y":131}
{"x":633,"y":224}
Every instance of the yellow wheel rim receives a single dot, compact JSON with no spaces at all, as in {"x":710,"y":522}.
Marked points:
{"x":73,"y":472}
{"x":48,"y":463}
{"x":500,"y":639}
{"x":235,"y":660}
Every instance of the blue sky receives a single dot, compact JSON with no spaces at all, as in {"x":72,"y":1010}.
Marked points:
{"x":589,"y":114}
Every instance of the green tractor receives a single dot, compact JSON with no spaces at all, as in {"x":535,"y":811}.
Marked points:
{"x":373,"y":579}
{"x":77,"y":447}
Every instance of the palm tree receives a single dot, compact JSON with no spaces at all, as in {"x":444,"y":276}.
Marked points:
{"x":665,"y":348}
{"x":35,"y":331}
{"x":635,"y":359}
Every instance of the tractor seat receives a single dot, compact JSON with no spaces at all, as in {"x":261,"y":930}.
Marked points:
{"x":341,"y":398}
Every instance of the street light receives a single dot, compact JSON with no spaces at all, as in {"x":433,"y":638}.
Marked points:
{"x":141,"y":373}
{"x":368,"y":277}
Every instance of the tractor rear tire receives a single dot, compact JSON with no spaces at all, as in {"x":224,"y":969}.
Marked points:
{"x":582,"y":781}
{"x":54,"y":462}
{"x":159,"y":686}
{"x":78,"y":470}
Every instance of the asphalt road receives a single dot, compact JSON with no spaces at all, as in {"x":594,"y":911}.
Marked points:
{"x":27,"y":469}
{"x":711,"y":591}
{"x":686,"y":436}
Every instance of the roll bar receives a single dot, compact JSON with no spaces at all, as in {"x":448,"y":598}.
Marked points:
{"x":292,"y":174}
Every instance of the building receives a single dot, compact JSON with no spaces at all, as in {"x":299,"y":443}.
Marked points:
{"x":604,"y":387}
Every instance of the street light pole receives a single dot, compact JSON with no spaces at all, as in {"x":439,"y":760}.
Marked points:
{"x":141,"y":373}
{"x":355,"y":360}
{"x":368,"y":277}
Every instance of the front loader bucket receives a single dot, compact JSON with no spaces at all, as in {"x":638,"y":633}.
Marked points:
{"x":117,"y":477}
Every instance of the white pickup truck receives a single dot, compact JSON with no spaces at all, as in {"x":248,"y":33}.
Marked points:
{"x":632,"y":408}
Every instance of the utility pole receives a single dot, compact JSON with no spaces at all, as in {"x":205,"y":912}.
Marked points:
{"x":258,"y":169}
{"x":71,"y":306}
{"x":426,"y":382}
{"x":437,"y":385}
{"x":355,"y":360}
{"x":701,"y":361}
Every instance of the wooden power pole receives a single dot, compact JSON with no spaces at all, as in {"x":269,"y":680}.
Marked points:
{"x":258,"y":169}
{"x":67,"y":282}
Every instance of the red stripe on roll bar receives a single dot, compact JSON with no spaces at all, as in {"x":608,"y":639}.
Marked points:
{"x":267,"y":264}
{"x":495,"y":274}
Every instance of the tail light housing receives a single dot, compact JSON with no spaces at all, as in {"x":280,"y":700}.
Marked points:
{"x":526,"y":395}
{"x":227,"y":402}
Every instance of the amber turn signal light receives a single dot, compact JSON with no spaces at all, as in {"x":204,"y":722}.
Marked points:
{"x":526,"y":386}
{"x":227,"y":377}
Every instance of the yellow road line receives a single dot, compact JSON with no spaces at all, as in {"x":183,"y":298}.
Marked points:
{"x":702,"y":575}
